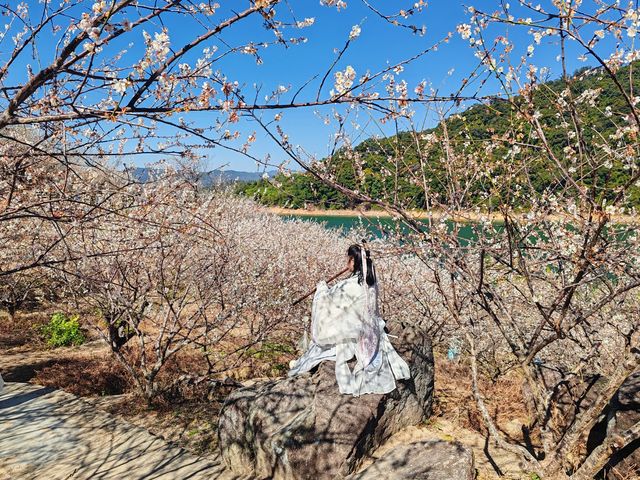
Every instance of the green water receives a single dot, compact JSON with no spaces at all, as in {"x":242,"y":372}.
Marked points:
{"x":376,"y":228}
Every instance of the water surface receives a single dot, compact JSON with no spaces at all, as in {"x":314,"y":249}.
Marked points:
{"x":376,"y":227}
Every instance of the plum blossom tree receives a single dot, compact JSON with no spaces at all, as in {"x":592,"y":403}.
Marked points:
{"x":99,"y":81}
{"x":551,"y":286}
{"x":201,"y":279}
{"x":547,"y":285}
{"x":86,"y":84}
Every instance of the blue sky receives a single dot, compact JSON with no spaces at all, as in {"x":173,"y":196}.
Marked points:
{"x":378,"y":46}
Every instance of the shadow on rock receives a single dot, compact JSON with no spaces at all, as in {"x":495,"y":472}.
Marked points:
{"x":302,"y":427}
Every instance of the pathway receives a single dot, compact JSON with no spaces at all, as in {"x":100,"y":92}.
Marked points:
{"x":49,"y":434}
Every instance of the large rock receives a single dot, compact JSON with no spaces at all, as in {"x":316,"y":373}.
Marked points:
{"x":625,"y":463}
{"x":573,"y":395}
{"x":428,"y":460}
{"x":302,"y":427}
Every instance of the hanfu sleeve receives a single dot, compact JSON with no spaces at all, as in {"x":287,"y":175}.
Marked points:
{"x":336,"y":312}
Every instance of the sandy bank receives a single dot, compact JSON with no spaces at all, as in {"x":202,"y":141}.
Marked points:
{"x":421,"y":214}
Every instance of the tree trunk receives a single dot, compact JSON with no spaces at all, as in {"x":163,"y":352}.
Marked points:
{"x":603,"y":452}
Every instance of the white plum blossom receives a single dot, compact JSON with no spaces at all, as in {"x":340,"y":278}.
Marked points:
{"x":208,"y":9}
{"x":249,"y":49}
{"x":355,"y":32}
{"x":339,"y":4}
{"x":86,"y":23}
{"x":94,"y":33}
{"x":464,"y":30}
{"x":158,"y":48}
{"x":343,"y":81}
{"x":589,"y":96}
{"x":307,"y":22}
{"x":121,"y":85}
{"x":99,"y":7}
{"x":22,"y":10}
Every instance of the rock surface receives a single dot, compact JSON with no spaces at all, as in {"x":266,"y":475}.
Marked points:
{"x":302,"y":427}
{"x":574,"y":396}
{"x":430,"y":460}
{"x":627,"y":411}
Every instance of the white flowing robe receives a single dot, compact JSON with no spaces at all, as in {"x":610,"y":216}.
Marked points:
{"x":339,"y":326}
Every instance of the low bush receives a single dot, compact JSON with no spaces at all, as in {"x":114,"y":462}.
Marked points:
{"x":62,"y":331}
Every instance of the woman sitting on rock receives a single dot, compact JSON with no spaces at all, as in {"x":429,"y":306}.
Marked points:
{"x":345,"y":321}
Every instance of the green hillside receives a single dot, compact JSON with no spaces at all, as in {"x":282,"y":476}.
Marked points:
{"x":481,"y":141}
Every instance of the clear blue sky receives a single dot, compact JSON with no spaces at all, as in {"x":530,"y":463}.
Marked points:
{"x":379,"y":45}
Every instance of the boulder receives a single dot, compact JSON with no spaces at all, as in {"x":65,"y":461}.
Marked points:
{"x":625,"y":463}
{"x":302,"y":427}
{"x":574,"y":395}
{"x":428,"y":460}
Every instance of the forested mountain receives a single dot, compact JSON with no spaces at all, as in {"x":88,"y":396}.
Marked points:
{"x":205,"y":179}
{"x":392,"y":168}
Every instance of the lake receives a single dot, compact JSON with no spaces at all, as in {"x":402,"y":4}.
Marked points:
{"x":376,"y":227}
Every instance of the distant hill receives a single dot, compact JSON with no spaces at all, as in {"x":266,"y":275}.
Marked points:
{"x":206,"y":179}
{"x":480,"y":132}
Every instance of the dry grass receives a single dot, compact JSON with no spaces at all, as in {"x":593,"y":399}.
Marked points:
{"x":454,"y":402}
{"x":626,"y":472}
{"x":189,"y":423}
{"x":22,"y":330}
{"x":85,"y":376}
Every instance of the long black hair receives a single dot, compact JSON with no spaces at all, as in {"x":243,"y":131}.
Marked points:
{"x":355,"y":252}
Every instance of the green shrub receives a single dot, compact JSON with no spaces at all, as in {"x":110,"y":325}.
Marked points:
{"x":62,"y":331}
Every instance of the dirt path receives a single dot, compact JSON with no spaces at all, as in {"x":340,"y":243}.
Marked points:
{"x":50,"y":434}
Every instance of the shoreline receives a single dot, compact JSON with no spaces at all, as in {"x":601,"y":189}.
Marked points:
{"x":467,"y":216}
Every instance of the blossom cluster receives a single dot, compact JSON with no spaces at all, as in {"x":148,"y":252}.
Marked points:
{"x":343,"y":81}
